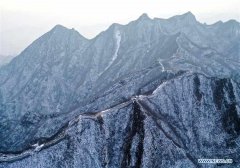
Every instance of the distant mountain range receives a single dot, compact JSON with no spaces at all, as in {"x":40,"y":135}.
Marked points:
{"x":152,"y":93}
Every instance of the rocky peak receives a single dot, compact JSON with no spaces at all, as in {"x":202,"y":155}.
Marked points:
{"x":143,"y":17}
{"x":186,"y":18}
{"x":63,"y":32}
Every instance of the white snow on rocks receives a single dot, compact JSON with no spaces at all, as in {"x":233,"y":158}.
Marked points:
{"x":118,"y":41}
{"x":160,"y":62}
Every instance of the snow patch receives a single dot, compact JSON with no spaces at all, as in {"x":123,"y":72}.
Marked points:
{"x":160,"y":62}
{"x":118,"y":41}
{"x":38,"y":147}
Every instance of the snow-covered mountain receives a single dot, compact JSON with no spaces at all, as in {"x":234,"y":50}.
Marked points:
{"x":5,"y":59}
{"x":56,"y":92}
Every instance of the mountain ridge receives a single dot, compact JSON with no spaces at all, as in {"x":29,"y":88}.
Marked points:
{"x":146,"y":107}
{"x":62,"y":75}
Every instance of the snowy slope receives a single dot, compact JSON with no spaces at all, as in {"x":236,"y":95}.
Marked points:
{"x":62,"y":74}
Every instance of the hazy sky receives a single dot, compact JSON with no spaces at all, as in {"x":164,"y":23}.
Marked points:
{"x":22,"y":21}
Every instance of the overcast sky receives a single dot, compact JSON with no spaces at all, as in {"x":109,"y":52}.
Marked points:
{"x":22,"y":21}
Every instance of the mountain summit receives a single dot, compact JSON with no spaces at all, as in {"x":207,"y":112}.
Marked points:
{"x":188,"y":16}
{"x":144,"y":16}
